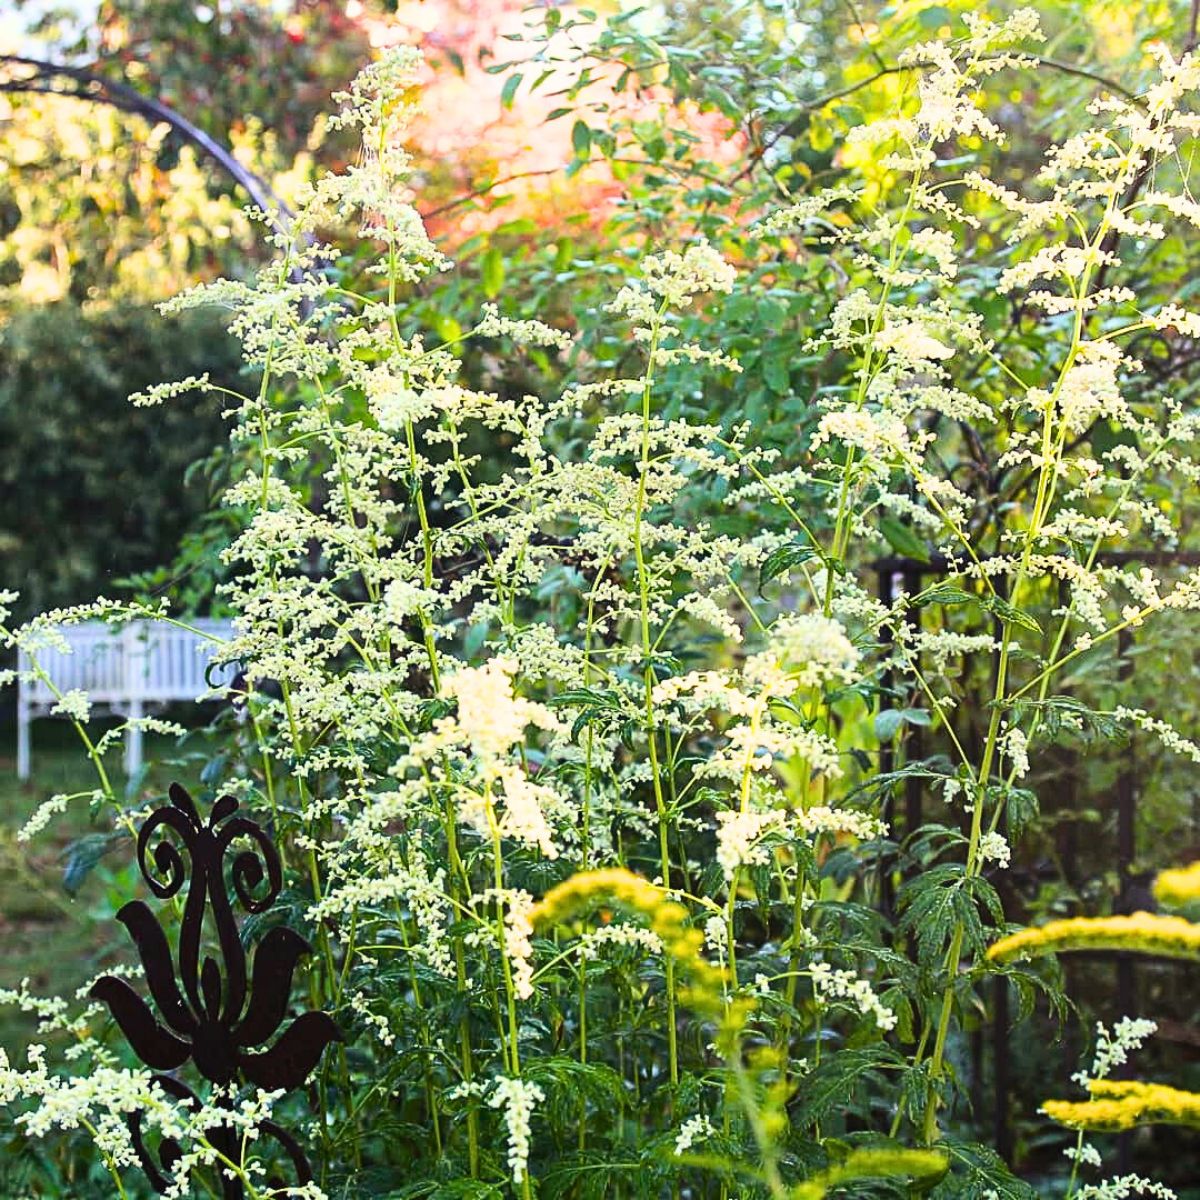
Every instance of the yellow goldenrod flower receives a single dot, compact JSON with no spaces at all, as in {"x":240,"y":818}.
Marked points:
{"x":1180,"y":886}
{"x":1141,"y":933}
{"x":1121,"y":1104}
{"x":921,"y":1166}
{"x":668,"y":919}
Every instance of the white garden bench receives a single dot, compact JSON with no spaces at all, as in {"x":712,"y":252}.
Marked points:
{"x":128,"y":671}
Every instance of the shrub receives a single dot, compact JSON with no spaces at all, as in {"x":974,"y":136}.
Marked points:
{"x":97,"y":491}
{"x":583,"y":765}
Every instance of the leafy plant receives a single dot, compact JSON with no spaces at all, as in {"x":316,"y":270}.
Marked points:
{"x":575,"y":711}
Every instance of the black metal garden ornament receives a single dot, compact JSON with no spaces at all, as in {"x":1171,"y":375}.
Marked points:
{"x":214,"y":1015}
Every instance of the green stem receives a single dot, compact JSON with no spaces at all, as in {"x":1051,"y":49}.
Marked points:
{"x":643,"y":576}
{"x":459,"y":890}
{"x":1051,"y":451}
{"x":510,"y":992}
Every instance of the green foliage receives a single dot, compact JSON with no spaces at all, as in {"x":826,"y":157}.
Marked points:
{"x":387,"y":562}
{"x":97,"y":490}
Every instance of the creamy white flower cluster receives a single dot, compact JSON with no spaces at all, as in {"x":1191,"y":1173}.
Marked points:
{"x":516,"y":933}
{"x":43,"y":815}
{"x":517,"y":1097}
{"x":1124,"y":1186}
{"x":74,"y":704}
{"x":1167,"y":734}
{"x":1113,"y":1046}
{"x":671,"y":281}
{"x":994,"y":848}
{"x":832,"y":984}
{"x":101,"y":1099}
{"x":169,"y":391}
{"x":1083,"y":1153}
{"x":822,"y":818}
{"x":947,"y":106}
{"x":739,"y":836}
{"x":742,"y":835}
{"x":694,"y":1129}
{"x":637,"y":937}
{"x":431,"y":627}
{"x":809,"y":651}
{"x":490,"y":717}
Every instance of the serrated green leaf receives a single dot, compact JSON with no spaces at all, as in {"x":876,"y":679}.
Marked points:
{"x":594,"y":697}
{"x":944,"y":593}
{"x":1009,"y":613}
{"x":777,"y":373}
{"x":782,"y":559}
{"x":934,"y":904}
{"x":977,"y":1172}
{"x":831,"y":1084}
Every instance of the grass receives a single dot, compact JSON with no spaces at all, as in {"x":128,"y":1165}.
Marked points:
{"x":54,"y":939}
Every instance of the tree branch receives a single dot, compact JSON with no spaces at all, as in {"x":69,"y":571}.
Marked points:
{"x":48,"y":78}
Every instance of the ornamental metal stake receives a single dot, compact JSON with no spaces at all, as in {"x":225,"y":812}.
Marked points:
{"x":217,"y":1021}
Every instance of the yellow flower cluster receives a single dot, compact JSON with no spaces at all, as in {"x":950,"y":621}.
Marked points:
{"x":667,"y":918}
{"x":1121,"y":1104}
{"x":1180,"y":886}
{"x":1141,"y":933}
{"x":924,"y":1167}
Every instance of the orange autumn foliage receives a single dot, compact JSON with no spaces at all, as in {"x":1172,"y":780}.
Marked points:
{"x":467,"y":141}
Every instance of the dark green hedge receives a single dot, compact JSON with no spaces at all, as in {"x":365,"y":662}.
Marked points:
{"x":93,"y":489}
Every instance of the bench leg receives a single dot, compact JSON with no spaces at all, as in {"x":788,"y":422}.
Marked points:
{"x":23,"y":747}
{"x":133,"y":741}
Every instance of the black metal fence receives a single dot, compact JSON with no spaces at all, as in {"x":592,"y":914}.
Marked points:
{"x":991,"y":1049}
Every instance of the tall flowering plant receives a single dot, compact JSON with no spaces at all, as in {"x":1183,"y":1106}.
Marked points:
{"x":571,"y":710}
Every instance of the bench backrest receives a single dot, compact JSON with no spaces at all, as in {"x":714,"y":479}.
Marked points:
{"x":145,"y":660}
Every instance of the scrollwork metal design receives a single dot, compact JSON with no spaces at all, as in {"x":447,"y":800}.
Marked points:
{"x":215,"y":1014}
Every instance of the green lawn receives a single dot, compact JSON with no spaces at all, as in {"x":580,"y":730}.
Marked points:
{"x":56,"y":940}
